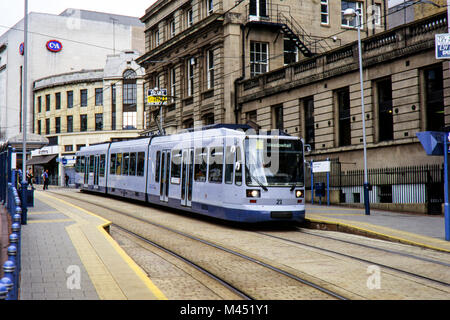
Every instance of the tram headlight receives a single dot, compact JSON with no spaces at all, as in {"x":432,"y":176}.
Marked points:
{"x":299,"y":193}
{"x":253,"y":193}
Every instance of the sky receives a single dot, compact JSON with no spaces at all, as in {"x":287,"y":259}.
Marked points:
{"x":12,"y":11}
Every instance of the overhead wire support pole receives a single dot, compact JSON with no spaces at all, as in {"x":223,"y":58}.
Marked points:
{"x":24,"y":117}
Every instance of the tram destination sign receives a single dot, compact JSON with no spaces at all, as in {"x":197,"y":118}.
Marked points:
{"x":442,"y":45}
{"x":157,"y":97}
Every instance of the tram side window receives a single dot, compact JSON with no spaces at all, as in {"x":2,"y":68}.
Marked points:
{"x":140,"y":164}
{"x":126,"y":164}
{"x":200,"y":164}
{"x":238,"y":168}
{"x":176,"y":166}
{"x":112,"y":166}
{"x":229,"y":164}
{"x":82,"y":164}
{"x":119,"y":164}
{"x":216,"y":164}
{"x":102,"y":165}
{"x":77,"y":164}
{"x":91,"y":163}
{"x":132,"y":164}
{"x":158,"y":164}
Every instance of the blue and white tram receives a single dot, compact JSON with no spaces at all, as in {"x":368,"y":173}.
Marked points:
{"x":220,"y":172}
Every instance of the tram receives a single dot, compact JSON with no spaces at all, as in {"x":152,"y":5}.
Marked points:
{"x":228,"y":172}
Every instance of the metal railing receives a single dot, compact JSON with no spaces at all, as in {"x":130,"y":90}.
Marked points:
{"x":9,"y":199}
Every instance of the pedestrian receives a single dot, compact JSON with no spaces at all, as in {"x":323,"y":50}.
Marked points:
{"x":46,"y":180}
{"x":67,"y":180}
{"x":30,"y":177}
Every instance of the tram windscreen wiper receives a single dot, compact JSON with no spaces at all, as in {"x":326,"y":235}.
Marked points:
{"x":293,"y":186}
{"x":255,"y":179}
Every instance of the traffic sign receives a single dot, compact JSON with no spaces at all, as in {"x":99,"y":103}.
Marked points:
{"x":442,"y":45}
{"x":156,"y":97}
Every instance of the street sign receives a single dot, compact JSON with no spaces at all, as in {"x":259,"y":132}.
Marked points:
{"x":157,"y":97}
{"x":442,"y":45}
{"x":64,"y":161}
{"x":321,"y":166}
{"x":432,"y":142}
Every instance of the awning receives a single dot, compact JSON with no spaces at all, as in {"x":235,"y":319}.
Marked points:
{"x":41,"y":159}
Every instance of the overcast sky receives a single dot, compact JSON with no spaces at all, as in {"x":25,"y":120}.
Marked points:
{"x":12,"y":11}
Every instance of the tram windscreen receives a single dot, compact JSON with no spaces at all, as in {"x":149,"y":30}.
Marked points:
{"x":274,"y":162}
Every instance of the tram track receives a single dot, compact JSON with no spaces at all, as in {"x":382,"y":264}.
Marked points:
{"x":370,"y":262}
{"x":158,"y":229}
{"x":271,"y":272}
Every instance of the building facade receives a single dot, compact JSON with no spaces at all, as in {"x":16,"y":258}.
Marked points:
{"x":87,"y":107}
{"x":198,"y":49}
{"x":83,"y":39}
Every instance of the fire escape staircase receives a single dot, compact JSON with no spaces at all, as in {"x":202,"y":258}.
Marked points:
{"x":296,"y":33}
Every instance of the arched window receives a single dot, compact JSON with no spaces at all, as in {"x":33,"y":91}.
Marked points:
{"x":129,"y":100}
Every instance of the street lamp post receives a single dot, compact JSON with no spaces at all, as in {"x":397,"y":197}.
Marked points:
{"x":349,"y":15}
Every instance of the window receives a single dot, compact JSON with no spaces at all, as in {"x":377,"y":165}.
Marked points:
{"x":47,"y":126}
{"x":68,"y":148}
{"x":324,"y":15}
{"x":215,"y":164}
{"x":210,"y":6}
{"x":39,"y":127}
{"x":113,"y":107}
{"x":119,"y":164}
{"x":69,"y":99}
{"x":102,"y":165}
{"x":375,"y":18}
{"x":358,"y":6}
{"x":47,"y":102}
{"x":210,"y":75}
{"x":99,"y":96}
{"x":251,"y":116}
{"x":290,"y":51}
{"x":83,"y":123}
{"x":208,"y":119}
{"x":57,"y":125}
{"x":277,"y":112}
{"x":172,"y":29}
{"x":258,"y":58}
{"x":238,"y":167}
{"x":129,"y":100}
{"x":258,"y":8}
{"x":176,"y":166}
{"x":385,"y":119}
{"x":201,"y":167}
{"x":158,"y":165}
{"x":112,"y":165}
{"x":132,"y":164}
{"x":98,"y":121}
{"x":129,"y":120}
{"x":125,"y":163}
{"x":434,"y":98}
{"x":69,"y":124}
{"x":190,"y":17}
{"x":140,"y":164}
{"x":190,"y":69}
{"x":343,"y":101}
{"x":229,"y":164}
{"x":189,"y":123}
{"x":308,"y":104}
{"x":58,"y":100}
{"x":39,"y":104}
{"x":83,"y":97}
{"x":79,"y":146}
{"x":173,"y":87}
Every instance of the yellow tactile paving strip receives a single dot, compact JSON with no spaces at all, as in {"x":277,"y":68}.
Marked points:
{"x":394,"y":234}
{"x":113,"y":273}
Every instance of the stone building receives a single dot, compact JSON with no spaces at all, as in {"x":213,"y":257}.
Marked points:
{"x":86,"y":107}
{"x":85,"y":39}
{"x":198,"y":49}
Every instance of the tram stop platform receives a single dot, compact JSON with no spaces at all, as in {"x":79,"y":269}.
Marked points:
{"x":67,"y":254}
{"x":427,"y":231}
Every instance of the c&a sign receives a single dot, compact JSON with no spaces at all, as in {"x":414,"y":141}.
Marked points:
{"x":54,"y":46}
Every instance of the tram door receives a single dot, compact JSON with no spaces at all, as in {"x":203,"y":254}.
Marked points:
{"x":187,"y":177}
{"x":86,"y":171}
{"x":96,"y":171}
{"x":164,"y":176}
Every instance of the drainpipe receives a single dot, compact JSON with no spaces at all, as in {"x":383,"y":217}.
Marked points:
{"x":242,"y":77}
